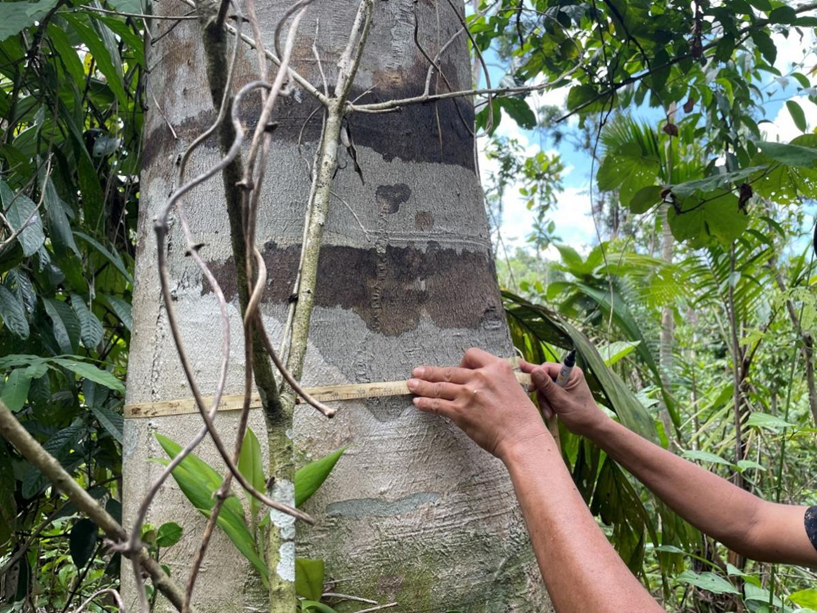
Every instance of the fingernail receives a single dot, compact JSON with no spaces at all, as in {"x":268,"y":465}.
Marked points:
{"x":538,"y":377}
{"x":416,"y":401}
{"x":412,"y":383}
{"x":418,"y":372}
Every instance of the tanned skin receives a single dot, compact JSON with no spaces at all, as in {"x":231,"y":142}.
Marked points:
{"x":581,"y":570}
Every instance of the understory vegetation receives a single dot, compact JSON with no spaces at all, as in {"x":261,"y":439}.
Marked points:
{"x":693,"y":310}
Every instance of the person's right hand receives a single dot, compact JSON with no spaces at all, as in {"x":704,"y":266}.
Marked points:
{"x":573,"y":403}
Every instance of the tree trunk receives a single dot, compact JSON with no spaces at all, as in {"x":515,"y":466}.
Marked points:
{"x":414,"y":512}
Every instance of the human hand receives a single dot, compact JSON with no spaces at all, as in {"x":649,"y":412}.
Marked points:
{"x":573,"y":403}
{"x":483,"y":398}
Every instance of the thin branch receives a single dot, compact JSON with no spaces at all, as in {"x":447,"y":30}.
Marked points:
{"x":308,"y":87}
{"x":34,"y":453}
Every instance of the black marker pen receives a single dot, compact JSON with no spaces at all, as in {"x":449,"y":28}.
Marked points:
{"x":567,"y":369}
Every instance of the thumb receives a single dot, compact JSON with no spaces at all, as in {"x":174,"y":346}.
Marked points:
{"x":542,"y":381}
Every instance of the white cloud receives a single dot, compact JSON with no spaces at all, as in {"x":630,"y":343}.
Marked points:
{"x":794,"y":50}
{"x":782,"y":128}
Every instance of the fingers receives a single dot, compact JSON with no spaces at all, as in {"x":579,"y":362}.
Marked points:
{"x":438,"y":406}
{"x":477,"y":358}
{"x":450,"y":374}
{"x":551,"y":368}
{"x":446,"y":391}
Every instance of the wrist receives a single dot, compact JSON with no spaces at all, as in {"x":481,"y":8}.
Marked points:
{"x":599,"y":429}
{"x":514,"y":451}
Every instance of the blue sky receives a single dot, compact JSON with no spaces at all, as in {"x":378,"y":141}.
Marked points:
{"x":572,"y":215}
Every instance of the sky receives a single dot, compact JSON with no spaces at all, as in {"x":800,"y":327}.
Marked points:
{"x":574,"y":223}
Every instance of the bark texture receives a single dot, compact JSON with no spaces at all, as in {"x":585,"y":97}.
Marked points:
{"x":414,"y":512}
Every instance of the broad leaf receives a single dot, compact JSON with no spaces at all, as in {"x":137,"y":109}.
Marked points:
{"x":251,"y":465}
{"x":113,"y":423}
{"x":65,"y":324}
{"x":21,"y":212}
{"x":708,"y":581}
{"x":17,"y":16}
{"x":90,"y":326}
{"x":763,"y":420}
{"x":15,"y":390}
{"x":13,"y":314}
{"x":705,"y":456}
{"x":113,"y":259}
{"x":82,"y":541}
{"x":613,"y":352}
{"x":60,"y":447}
{"x":89,"y":371}
{"x":309,"y":478}
{"x":309,"y":578}
{"x":168,"y":534}
{"x":797,"y":114}
{"x":805,"y":598}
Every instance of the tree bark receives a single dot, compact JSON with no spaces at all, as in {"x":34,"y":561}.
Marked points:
{"x":414,"y":512}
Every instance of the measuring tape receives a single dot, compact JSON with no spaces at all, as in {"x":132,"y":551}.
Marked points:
{"x":325,"y":393}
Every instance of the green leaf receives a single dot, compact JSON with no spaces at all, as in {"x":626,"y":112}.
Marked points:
{"x":66,"y":53}
{"x":127,"y":6}
{"x":21,"y":211}
{"x":199,"y":481}
{"x":627,"y":169}
{"x":113,"y":423}
{"x":613,"y":352}
{"x":251,"y":465}
{"x":168,"y":534}
{"x":761,"y":5}
{"x":61,"y":237}
{"x":15,"y":390}
{"x":312,"y":606}
{"x":797,"y":115}
{"x":309,"y":478}
{"x":753,"y":592}
{"x":708,"y":581}
{"x":60,"y":446}
{"x":579,"y":95}
{"x":309,"y":578}
{"x":107,"y":63}
{"x":519,"y":111}
{"x":89,"y":371}
{"x":17,"y":16}
{"x":645,"y":198}
{"x":805,"y":598}
{"x":764,"y":420}
{"x":66,"y":325}
{"x":790,"y":155}
{"x":766,"y":45}
{"x":783,"y":14}
{"x":90,"y":326}
{"x":13,"y":313}
{"x":82,"y":541}
{"x":108,"y":255}
{"x":121,"y":308}
{"x":744,"y":465}
{"x":705,"y":456}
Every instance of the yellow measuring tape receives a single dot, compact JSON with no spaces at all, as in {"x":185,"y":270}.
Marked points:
{"x":325,"y":393}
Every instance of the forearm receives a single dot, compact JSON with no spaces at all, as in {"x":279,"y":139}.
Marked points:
{"x":715,"y":506}
{"x":581,"y":570}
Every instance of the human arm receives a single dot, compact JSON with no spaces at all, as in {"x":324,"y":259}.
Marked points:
{"x":581,"y":570}
{"x":752,"y":527}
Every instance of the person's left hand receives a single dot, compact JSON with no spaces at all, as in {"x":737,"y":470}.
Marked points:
{"x":482,"y":397}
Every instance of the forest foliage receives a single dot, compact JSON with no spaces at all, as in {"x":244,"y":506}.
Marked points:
{"x":728,"y":385}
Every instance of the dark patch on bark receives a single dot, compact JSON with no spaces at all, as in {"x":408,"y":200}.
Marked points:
{"x":390,"y":197}
{"x":454,"y":290}
{"x":432,"y":132}
{"x":423,"y":220}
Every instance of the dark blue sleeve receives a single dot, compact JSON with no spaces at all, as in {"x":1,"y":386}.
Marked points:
{"x":811,"y":525}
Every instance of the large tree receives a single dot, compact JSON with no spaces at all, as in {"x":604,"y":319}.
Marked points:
{"x":414,"y":512}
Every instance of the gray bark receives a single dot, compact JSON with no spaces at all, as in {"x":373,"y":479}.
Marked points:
{"x":414,"y":512}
